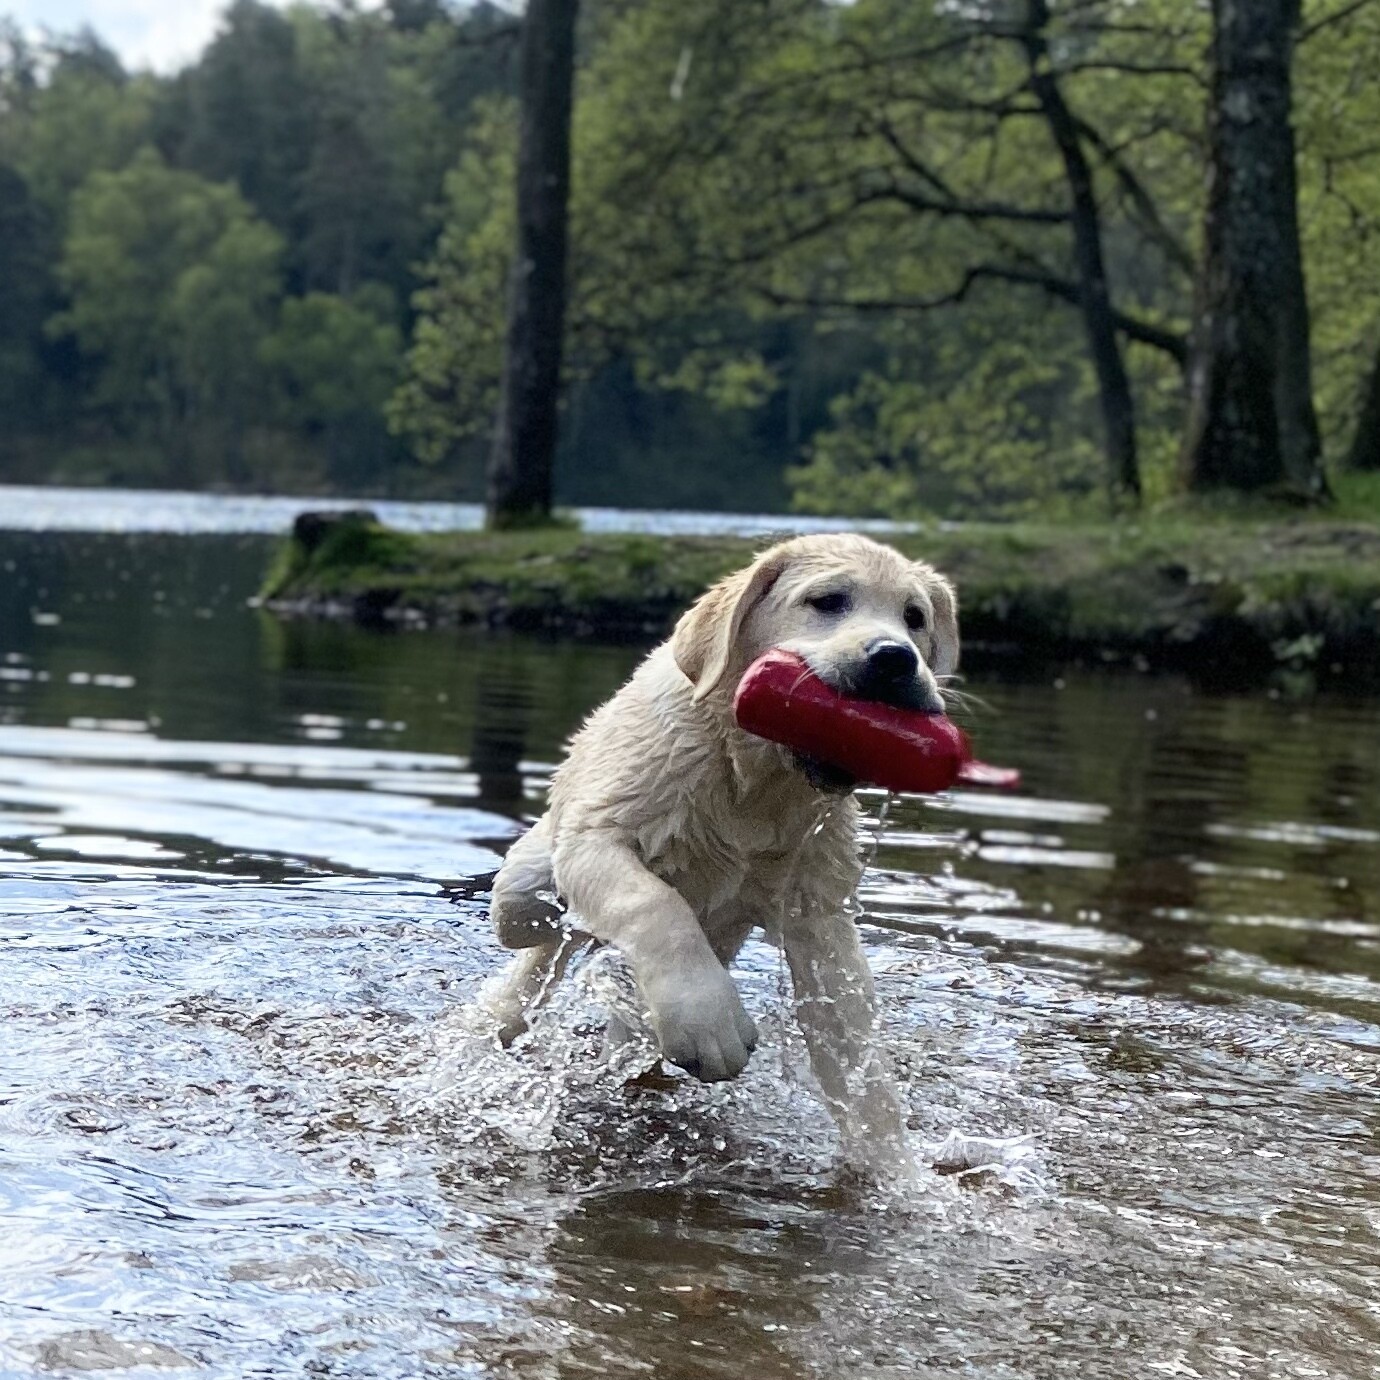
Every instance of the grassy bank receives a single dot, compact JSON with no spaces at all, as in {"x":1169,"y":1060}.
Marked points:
{"x":1241,"y":598}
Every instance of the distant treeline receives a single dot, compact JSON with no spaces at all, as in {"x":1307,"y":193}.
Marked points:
{"x":209,"y":279}
{"x":833,"y":255}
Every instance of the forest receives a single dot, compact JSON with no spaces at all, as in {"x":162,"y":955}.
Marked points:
{"x":875,"y":258}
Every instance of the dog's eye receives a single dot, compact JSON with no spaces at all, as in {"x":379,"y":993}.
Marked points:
{"x":915,"y":617}
{"x":835,"y":602}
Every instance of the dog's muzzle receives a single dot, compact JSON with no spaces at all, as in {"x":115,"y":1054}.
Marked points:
{"x":889,"y":673}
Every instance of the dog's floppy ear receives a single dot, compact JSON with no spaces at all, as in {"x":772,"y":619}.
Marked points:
{"x":705,"y":638}
{"x":944,"y":635}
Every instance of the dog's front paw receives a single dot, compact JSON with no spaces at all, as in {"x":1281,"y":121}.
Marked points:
{"x":701,"y":1025}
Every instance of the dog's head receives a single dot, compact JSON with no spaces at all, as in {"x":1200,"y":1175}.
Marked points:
{"x":865,"y":619}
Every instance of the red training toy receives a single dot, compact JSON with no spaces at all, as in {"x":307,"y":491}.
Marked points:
{"x":781,"y":699}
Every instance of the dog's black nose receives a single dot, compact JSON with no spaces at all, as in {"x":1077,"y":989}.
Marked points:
{"x":890,"y":662}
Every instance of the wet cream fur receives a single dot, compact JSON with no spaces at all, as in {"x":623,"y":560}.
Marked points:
{"x":671,"y":834}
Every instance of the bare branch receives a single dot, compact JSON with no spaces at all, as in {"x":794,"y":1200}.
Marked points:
{"x":1169,"y":243}
{"x":912,"y":161}
{"x":1104,"y":26}
{"x":1169,"y":342}
{"x":965,"y":210}
{"x":1360,"y":154}
{"x":1337,"y":16}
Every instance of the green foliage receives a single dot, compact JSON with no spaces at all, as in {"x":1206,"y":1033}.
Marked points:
{"x":335,"y":358}
{"x":243,"y":113}
{"x":88,"y":116}
{"x":743,"y":168}
{"x":334,"y":362}
{"x":207,"y":277}
{"x":1337,"y":105}
{"x":1358,"y":496}
{"x":727,"y":381}
{"x":453,"y":366}
{"x":23,"y":296}
{"x":171,"y":281}
{"x":819,"y":255}
{"x":882,"y":163}
{"x":999,"y":423}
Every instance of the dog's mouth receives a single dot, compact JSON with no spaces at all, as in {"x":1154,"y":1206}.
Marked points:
{"x":824,"y":776}
{"x":902,"y":694}
{"x":863,"y":681}
{"x":910,"y":691}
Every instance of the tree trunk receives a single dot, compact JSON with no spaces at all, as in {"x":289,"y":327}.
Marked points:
{"x":1094,"y":299}
{"x":525,"y":439}
{"x":1251,"y":422}
{"x":1365,"y":447}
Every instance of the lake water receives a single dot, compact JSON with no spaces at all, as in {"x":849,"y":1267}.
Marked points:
{"x":245,"y":1128}
{"x":52,"y":509}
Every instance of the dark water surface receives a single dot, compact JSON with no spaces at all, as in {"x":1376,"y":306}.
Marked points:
{"x":247,"y":1129}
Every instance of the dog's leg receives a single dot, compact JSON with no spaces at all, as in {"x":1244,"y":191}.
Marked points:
{"x":836,"y":1012}
{"x":727,"y":931}
{"x":512,"y":996}
{"x":695,"y":1011}
{"x":521,"y":906}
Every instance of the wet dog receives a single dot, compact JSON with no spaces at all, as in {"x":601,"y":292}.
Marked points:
{"x":671,"y":834}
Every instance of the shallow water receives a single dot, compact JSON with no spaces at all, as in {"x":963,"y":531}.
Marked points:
{"x":246,"y":1128}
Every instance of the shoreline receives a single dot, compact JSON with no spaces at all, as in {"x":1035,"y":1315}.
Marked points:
{"x":1226,"y":601}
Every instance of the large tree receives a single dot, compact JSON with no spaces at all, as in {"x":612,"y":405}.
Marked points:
{"x":524,"y":450}
{"x":1094,"y":293}
{"x":889,"y":161}
{"x":1336,"y":110}
{"x":1252,"y":425}
{"x":747,"y":172}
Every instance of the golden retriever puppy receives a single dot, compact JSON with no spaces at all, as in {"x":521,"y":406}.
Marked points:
{"x":671,"y":833}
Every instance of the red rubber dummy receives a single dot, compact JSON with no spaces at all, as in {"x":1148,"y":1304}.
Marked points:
{"x":781,"y":699}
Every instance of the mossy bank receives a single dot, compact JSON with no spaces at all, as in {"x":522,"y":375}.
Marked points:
{"x":1233,"y":600}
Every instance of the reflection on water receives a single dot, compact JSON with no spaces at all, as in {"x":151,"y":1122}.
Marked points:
{"x":246,"y":1127}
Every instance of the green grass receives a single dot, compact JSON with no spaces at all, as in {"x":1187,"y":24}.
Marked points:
{"x":528,"y":577}
{"x":1170,"y":588}
{"x":1357,"y":496}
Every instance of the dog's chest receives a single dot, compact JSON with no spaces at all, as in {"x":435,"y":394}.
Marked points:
{"x":710,"y":854}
